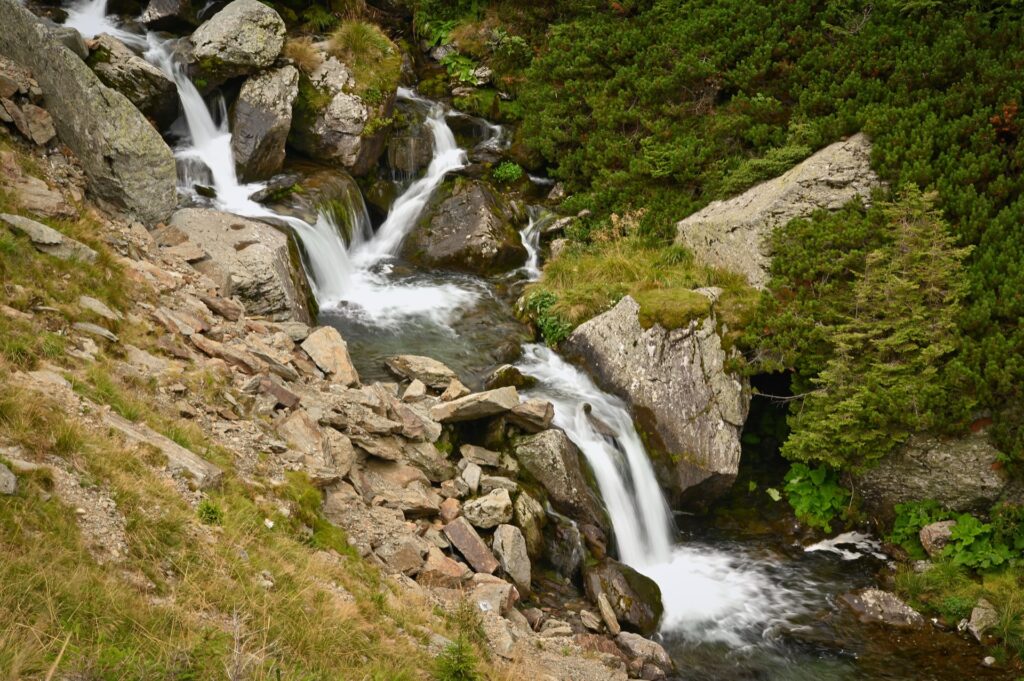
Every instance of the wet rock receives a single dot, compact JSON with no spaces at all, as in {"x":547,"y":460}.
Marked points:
{"x":466,"y":227}
{"x":532,"y":416}
{"x":554,"y":461}
{"x":510,"y":548}
{"x":635,"y":598}
{"x":429,"y":371}
{"x":935,"y":536}
{"x":984,"y":617}
{"x":734,"y":234}
{"x":531,"y":519}
{"x":490,"y":510}
{"x":875,"y":605}
{"x":464,"y":538}
{"x":260,"y":120}
{"x":441,"y":571}
{"x":124,"y":158}
{"x":243,"y":38}
{"x":168,"y":15}
{"x":328,"y":349}
{"x":689,"y":406}
{"x":48,"y":240}
{"x":247,"y":259}
{"x":476,"y":406}
{"x":145,"y":86}
{"x":961,"y":474}
{"x":8,"y":482}
{"x":410,"y":149}
{"x":508,"y":375}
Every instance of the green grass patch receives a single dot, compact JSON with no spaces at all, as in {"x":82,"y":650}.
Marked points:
{"x":375,"y":61}
{"x":587,"y":280}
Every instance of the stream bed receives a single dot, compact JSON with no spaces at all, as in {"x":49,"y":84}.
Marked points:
{"x":742,"y":600}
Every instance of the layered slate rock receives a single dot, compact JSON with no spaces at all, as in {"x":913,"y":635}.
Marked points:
{"x":510,"y":548}
{"x":464,"y":538}
{"x":248,"y":259}
{"x":689,"y":406}
{"x":553,"y":460}
{"x":427,"y":370}
{"x":735,"y":234}
{"x":328,"y":349}
{"x":466,"y":227}
{"x":476,"y":406}
{"x":145,"y":85}
{"x":124,"y":158}
{"x":243,"y":38}
{"x":260,"y":120}
{"x":48,"y":240}
{"x":961,"y":474}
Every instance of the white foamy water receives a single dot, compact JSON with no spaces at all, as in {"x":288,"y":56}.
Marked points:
{"x":708,"y":594}
{"x":849,"y":546}
{"x":89,"y":17}
{"x":530,"y":236}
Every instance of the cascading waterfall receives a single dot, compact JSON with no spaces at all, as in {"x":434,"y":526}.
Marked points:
{"x":530,"y":235}
{"x":89,"y":17}
{"x":709,"y":595}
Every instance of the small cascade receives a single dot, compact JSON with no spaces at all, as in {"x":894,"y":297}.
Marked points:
{"x":89,"y":17}
{"x":530,"y":235}
{"x":407,"y":207}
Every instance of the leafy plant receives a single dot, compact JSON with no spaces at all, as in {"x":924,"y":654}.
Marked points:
{"x":460,"y":67}
{"x":972,"y":544}
{"x":507,"y":172}
{"x":319,"y":19}
{"x":815,"y":495}
{"x":910,"y":518}
{"x":553,"y":328}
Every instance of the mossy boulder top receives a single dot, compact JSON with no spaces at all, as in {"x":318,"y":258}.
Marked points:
{"x":244,"y":37}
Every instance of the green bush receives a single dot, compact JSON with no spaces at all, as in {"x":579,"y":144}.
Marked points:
{"x":553,"y":328}
{"x":209,"y":513}
{"x":910,"y":518}
{"x":507,"y":172}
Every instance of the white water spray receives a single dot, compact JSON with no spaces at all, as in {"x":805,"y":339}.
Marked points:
{"x":89,"y":17}
{"x":530,"y":236}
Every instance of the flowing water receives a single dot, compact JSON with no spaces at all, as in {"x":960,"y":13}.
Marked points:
{"x":738,"y":605}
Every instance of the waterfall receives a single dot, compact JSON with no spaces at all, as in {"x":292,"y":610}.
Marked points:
{"x":407,"y":207}
{"x":709,"y":595}
{"x":530,"y":236}
{"x":636,"y":506}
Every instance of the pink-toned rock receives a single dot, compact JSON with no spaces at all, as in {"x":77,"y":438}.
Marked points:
{"x":450,"y":509}
{"x":441,"y":571}
{"x":463,"y":537}
{"x":328,"y":349}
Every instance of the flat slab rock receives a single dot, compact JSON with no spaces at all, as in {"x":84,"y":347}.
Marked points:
{"x":48,"y":240}
{"x":875,"y":605}
{"x":427,"y":370}
{"x":464,"y":538}
{"x":476,"y":406}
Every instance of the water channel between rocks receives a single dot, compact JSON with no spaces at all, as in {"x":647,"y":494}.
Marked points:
{"x":741,"y":601}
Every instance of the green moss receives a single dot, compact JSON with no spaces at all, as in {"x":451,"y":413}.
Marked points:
{"x":671,"y":308}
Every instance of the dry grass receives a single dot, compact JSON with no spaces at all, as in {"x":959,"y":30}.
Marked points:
{"x":375,"y":61}
{"x":305,"y":55}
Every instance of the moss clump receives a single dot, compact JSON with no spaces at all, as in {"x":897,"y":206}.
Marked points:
{"x":672,"y":308}
{"x":375,"y":61}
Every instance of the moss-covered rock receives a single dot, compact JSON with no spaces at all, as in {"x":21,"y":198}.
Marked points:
{"x":635,"y":598}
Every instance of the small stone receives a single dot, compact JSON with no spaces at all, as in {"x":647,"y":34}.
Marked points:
{"x":97,"y":306}
{"x":416,"y":391}
{"x":988,"y":661}
{"x":49,"y":240}
{"x":455,"y":390}
{"x":8,"y":482}
{"x":983,"y":617}
{"x":490,"y":510}
{"x":477,"y":406}
{"x":608,"y":614}
{"x":480,"y":456}
{"x":95,"y":330}
{"x":935,"y":536}
{"x":427,"y":370}
{"x":532,"y":416}
{"x":590,"y":620}
{"x":471,"y":475}
{"x":451,"y":508}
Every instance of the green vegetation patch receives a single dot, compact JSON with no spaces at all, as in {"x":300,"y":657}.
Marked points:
{"x":587,"y":280}
{"x":375,"y":61}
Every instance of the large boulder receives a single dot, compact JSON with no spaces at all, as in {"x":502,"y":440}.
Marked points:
{"x":510,"y":548}
{"x":260,"y":120}
{"x":553,"y":461}
{"x":243,"y":38}
{"x":248,"y":259}
{"x":334,"y":123}
{"x":735,"y":234}
{"x":635,"y":598}
{"x":124,"y":158}
{"x":690,"y":408}
{"x":962,"y":474}
{"x":146,"y":86}
{"x":466,"y":227}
